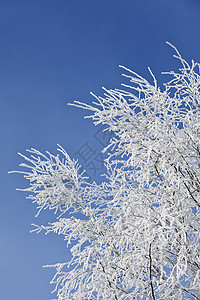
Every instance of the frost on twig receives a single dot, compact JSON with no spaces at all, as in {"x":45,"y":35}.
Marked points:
{"x":136,"y":235}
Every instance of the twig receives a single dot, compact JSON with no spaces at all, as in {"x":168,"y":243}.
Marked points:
{"x":150,"y":270}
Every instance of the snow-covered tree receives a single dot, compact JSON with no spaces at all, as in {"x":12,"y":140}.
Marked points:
{"x":137,"y":234}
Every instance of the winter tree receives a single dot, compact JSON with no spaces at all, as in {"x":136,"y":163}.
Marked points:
{"x":137,"y":234}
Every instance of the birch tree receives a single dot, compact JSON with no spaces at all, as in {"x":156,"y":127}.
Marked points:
{"x":137,"y":234}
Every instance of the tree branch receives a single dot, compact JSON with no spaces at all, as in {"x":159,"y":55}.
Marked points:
{"x":150,"y":273}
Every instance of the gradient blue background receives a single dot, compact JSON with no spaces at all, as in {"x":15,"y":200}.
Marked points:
{"x":53,"y":52}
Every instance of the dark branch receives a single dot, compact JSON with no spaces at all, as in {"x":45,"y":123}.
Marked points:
{"x":150,"y":271}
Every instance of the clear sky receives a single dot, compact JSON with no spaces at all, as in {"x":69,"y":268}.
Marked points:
{"x":53,"y":52}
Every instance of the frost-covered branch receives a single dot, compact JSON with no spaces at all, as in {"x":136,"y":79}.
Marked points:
{"x":136,"y":235}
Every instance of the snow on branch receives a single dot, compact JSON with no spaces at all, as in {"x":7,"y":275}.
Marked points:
{"x":136,"y":235}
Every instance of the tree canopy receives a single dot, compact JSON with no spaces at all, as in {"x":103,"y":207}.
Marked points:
{"x":136,"y":235}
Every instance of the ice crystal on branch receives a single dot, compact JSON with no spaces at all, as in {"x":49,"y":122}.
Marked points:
{"x":136,"y":235}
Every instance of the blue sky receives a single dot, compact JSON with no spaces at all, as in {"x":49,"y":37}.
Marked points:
{"x":53,"y":52}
